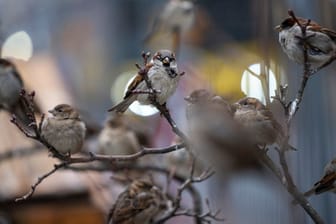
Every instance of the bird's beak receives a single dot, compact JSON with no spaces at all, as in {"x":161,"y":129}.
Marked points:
{"x":51,"y":111}
{"x":166,"y":61}
{"x":188,"y":99}
{"x":236,"y":106}
{"x":278,"y":28}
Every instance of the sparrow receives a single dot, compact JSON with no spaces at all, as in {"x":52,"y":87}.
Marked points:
{"x":177,"y":16}
{"x":11,"y":85}
{"x":253,"y":115}
{"x":327,"y":182}
{"x":203,"y":97}
{"x":140,"y":203}
{"x":320,"y":41}
{"x":164,"y":77}
{"x":216,"y":138}
{"x":64,"y":130}
{"x":116,"y":138}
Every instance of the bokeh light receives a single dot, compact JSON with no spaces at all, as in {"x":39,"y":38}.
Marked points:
{"x":18,"y":45}
{"x":251,"y":85}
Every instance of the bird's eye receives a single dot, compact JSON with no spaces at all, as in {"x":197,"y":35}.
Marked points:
{"x":315,"y":51}
{"x":59,"y":110}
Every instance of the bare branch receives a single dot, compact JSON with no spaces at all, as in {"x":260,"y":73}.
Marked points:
{"x":292,"y":189}
{"x":39,"y":181}
{"x":195,"y":195}
{"x":177,"y":201}
{"x":294,"y":105}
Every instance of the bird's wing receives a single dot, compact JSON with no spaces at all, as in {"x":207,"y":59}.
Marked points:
{"x":124,"y":210}
{"x":136,"y":81}
{"x":326,"y":183}
{"x":330,"y":33}
{"x":16,"y":74}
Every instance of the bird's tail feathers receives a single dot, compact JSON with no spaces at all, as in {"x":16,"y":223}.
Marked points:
{"x":290,"y":147}
{"x":123,"y":105}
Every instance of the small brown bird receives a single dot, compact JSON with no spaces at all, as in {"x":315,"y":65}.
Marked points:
{"x":202,"y":97}
{"x":11,"y":85}
{"x":140,"y":203}
{"x":253,"y":115}
{"x":177,"y":15}
{"x":216,"y":138}
{"x":321,"y":42}
{"x":327,"y":182}
{"x":117,"y":138}
{"x":64,"y":130}
{"x":164,"y":76}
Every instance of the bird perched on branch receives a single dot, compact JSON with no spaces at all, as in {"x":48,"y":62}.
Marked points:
{"x":164,"y":77}
{"x":256,"y":117}
{"x":327,"y":182}
{"x":177,"y":17}
{"x":11,"y":85}
{"x":140,"y":203}
{"x":64,"y":130}
{"x":320,"y":42}
{"x":202,"y":97}
{"x":117,"y":138}
{"x":216,"y":138}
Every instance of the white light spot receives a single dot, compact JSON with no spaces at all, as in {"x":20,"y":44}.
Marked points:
{"x":138,"y":109}
{"x":135,"y":107}
{"x":18,"y":45}
{"x":251,"y":85}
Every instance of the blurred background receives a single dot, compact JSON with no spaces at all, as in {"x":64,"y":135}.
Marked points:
{"x":83,"y":52}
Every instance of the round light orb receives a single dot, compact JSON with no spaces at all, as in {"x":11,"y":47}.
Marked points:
{"x":18,"y":45}
{"x":251,"y":85}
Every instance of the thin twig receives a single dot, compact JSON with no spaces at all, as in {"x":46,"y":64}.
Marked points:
{"x":296,"y":193}
{"x":39,"y":181}
{"x":294,"y":106}
{"x":177,"y":202}
{"x":287,"y":181}
{"x":195,"y":195}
